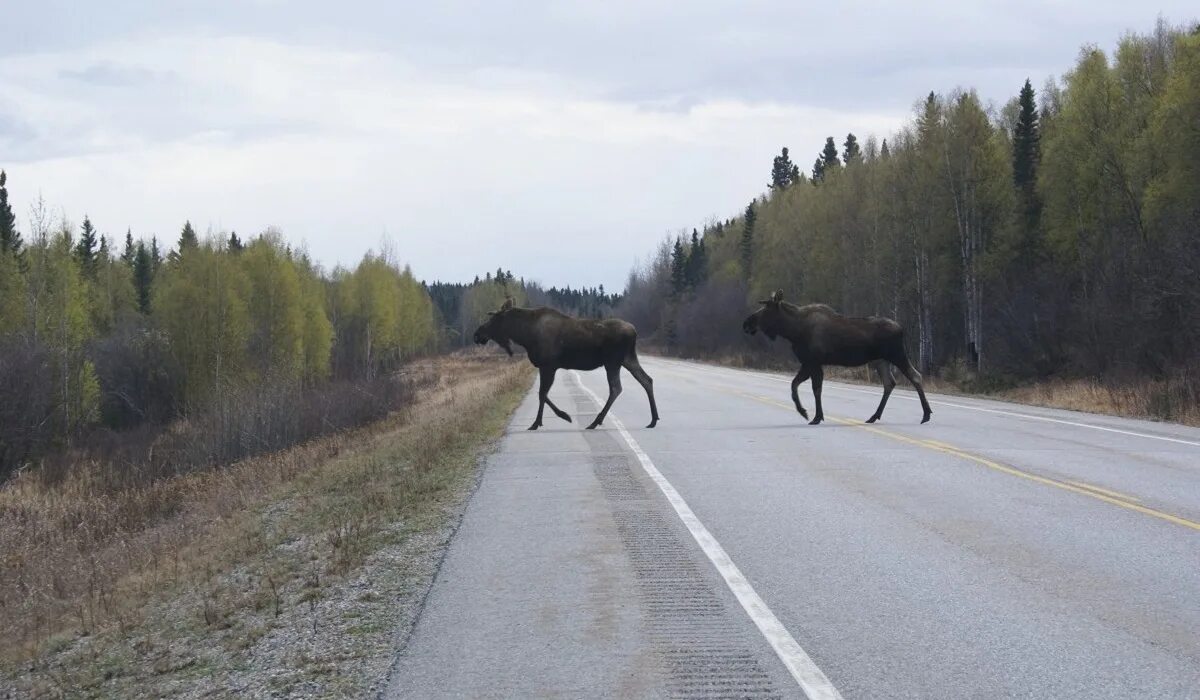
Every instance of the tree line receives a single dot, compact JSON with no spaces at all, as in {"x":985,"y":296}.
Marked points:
{"x":462,"y":307}
{"x":92,"y":337}
{"x":1058,"y":234}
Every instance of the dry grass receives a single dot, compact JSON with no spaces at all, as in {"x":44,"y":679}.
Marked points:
{"x":1176,"y":399}
{"x":80,"y":560}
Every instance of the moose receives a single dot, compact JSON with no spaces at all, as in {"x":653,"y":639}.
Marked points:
{"x":821,"y":336}
{"x":554,"y":341}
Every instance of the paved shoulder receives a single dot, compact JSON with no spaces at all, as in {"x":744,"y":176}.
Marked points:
{"x":572,"y":577}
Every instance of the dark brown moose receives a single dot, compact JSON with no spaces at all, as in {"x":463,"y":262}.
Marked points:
{"x":821,"y":336}
{"x":556,"y":341}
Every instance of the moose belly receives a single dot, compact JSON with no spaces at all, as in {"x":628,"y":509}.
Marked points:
{"x":579,"y":358}
{"x":851,"y":357}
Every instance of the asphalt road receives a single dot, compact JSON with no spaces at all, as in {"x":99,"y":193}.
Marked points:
{"x":734,"y":551}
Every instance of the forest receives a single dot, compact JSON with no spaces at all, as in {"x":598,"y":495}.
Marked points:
{"x":1055,"y":235}
{"x":248,"y":340}
{"x":243,"y":346}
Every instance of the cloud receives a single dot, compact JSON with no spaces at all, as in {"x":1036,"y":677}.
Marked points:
{"x":557,"y":139}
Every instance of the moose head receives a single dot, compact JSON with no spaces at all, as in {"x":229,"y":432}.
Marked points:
{"x":768,"y":319}
{"x":497,"y":327}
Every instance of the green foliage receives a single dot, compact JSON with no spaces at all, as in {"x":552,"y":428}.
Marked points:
{"x":1059,"y":237}
{"x":200,"y":301}
{"x":747,"y":246}
{"x":850,"y":150}
{"x":143,"y":277}
{"x":783,"y":171}
{"x":85,"y":249}
{"x":10,"y":237}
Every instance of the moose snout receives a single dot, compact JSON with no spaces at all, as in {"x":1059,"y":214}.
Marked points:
{"x":480,"y":338}
{"x":750,"y":325}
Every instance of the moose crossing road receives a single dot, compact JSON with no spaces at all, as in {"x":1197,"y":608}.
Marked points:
{"x":734,"y":551}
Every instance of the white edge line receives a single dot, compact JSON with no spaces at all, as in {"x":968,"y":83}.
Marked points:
{"x":812,"y":680}
{"x":837,"y":385}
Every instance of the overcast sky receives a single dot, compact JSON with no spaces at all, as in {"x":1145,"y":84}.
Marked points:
{"x":559,"y":140}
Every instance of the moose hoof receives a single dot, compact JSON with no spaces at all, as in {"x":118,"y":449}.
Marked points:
{"x":872,"y":419}
{"x":535,"y":426}
{"x":803,"y":413}
{"x":652,"y":423}
{"x":926,"y":418}
{"x":565,"y":417}
{"x":592,"y":426}
{"x":816,"y":421}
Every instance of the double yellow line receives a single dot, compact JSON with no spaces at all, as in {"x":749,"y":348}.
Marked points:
{"x":1084,"y":489}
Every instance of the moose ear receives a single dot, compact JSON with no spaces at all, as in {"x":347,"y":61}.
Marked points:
{"x":777,"y":296}
{"x":508,"y":304}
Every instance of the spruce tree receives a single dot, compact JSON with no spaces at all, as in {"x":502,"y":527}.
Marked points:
{"x":851,"y":152}
{"x":783,"y":171}
{"x":187,"y":237}
{"x":818,"y":171}
{"x":697,"y":261}
{"x":130,"y":252}
{"x":748,"y":239}
{"x":883,"y":150}
{"x":85,"y":249}
{"x":143,"y":276}
{"x":235,"y":243}
{"x":155,"y":254}
{"x":187,"y":241}
{"x":10,"y":238}
{"x":829,"y":156}
{"x":1025,"y":156}
{"x":678,"y":267}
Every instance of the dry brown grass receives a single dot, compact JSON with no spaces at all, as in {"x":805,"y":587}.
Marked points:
{"x":78,"y":559}
{"x":1176,"y":399}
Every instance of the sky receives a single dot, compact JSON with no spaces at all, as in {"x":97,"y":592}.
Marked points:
{"x":559,"y":140}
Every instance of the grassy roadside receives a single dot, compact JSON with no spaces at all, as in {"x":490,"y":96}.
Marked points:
{"x":1175,"y":400}
{"x":285,"y":574}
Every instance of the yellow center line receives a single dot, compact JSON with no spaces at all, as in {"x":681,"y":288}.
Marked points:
{"x":1107,"y":492}
{"x":1113,"y":497}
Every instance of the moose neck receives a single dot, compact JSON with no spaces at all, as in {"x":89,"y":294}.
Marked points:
{"x":518,"y":325}
{"x":795,"y":325}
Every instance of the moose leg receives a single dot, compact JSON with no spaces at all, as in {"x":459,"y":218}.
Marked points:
{"x":614,"y":390}
{"x":911,"y":374}
{"x":546,"y":381}
{"x":818,"y":376}
{"x":801,"y":376}
{"x":889,"y":382}
{"x":635,"y":368}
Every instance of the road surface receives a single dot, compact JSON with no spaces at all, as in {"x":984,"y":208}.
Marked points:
{"x":734,"y":551}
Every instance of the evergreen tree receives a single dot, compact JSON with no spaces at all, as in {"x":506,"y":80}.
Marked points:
{"x":10,"y":238}
{"x":187,"y":241}
{"x":187,"y":237}
{"x":130,"y":252}
{"x":883,"y":150}
{"x":829,"y":156}
{"x":155,"y":254}
{"x":235,"y":243}
{"x":143,"y":276}
{"x":678,"y":267}
{"x":783,"y":171}
{"x":1026,"y":152}
{"x":748,"y":239}
{"x":697,"y":266}
{"x":818,"y":171}
{"x":85,"y":249}
{"x":851,"y":153}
